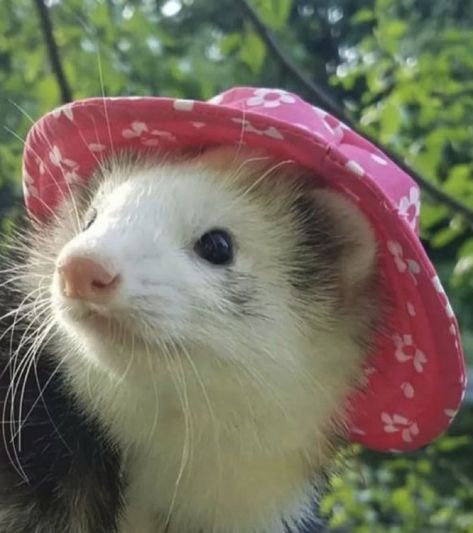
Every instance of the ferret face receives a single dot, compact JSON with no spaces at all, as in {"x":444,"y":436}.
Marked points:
{"x":228,"y":252}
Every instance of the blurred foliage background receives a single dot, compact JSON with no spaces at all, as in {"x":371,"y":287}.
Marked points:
{"x":402,"y":69}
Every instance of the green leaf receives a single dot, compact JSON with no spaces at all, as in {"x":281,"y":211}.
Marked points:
{"x":230,"y":43}
{"x":391,"y":120}
{"x":253,"y":51}
{"x":363,"y":15}
{"x":47,"y":92}
{"x":445,"y":236}
{"x":275,"y":13}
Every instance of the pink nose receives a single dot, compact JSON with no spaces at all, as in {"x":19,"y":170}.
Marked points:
{"x":85,"y":279}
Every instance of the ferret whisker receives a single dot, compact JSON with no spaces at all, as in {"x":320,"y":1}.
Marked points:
{"x":187,"y":444}
{"x":263,"y":177}
{"x":15,"y":279}
{"x":38,"y":333}
{"x":14,"y":269}
{"x":169,"y":345}
{"x":211,"y":410}
{"x":17,"y":314}
{"x":34,"y":309}
{"x":154,"y":424}
{"x":92,"y":398}
{"x":14,"y":459}
{"x":46,"y":408}
{"x":104,"y":100}
{"x":43,"y":203}
{"x":28,"y":253}
{"x":24,"y":375}
{"x":264,"y":386}
{"x":35,"y":257}
{"x":28,"y":310}
{"x":74,"y":216}
{"x":45,"y":386}
{"x":131,"y":361}
{"x":20,"y":309}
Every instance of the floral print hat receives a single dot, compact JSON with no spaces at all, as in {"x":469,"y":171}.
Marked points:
{"x":414,"y":383}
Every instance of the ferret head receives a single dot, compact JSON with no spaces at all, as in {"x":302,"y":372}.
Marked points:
{"x":228,"y":258}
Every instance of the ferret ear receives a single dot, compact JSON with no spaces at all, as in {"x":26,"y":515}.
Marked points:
{"x":354,"y":233}
{"x":225,"y":157}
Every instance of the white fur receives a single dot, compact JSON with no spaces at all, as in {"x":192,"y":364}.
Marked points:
{"x":223,"y":421}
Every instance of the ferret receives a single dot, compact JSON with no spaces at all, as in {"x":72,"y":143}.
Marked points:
{"x":178,"y":344}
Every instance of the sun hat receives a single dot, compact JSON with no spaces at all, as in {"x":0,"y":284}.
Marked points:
{"x":415,"y":381}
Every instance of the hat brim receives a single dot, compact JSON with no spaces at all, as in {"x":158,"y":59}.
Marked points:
{"x":416,"y":379}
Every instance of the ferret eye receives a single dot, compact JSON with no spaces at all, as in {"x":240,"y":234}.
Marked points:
{"x":89,"y":219}
{"x":216,"y":247}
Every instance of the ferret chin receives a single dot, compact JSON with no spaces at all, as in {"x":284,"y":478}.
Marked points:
{"x":209,"y":317}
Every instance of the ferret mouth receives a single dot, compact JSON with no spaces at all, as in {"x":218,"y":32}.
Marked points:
{"x":100,"y":321}
{"x":126,"y":327}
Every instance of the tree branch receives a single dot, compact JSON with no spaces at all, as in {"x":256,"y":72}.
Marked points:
{"x":320,"y":94}
{"x":321,"y":97}
{"x":53,"y":51}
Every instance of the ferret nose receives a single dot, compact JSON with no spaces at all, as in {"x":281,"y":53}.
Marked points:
{"x":85,"y":279}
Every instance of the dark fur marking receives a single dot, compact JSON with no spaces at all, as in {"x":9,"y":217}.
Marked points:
{"x":240,"y":291}
{"x":315,"y":253}
{"x":73,"y":472}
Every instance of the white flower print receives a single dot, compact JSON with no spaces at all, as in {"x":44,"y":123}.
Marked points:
{"x":216,"y":100}
{"x":368,"y":371}
{"x":409,"y":207}
{"x":406,"y":350}
{"x":355,"y":167}
{"x":270,"y":98}
{"x":139,"y":130}
{"x":320,"y":112}
{"x":69,"y":168}
{"x":339,"y":132}
{"x":96,"y":147}
{"x":403,"y":264}
{"x":439,"y":288}
{"x":65,"y":110}
{"x":126,"y":97}
{"x":41,"y":165}
{"x":451,"y":413}
{"x":395,"y":423}
{"x":411,"y":309}
{"x":396,"y":251}
{"x":358,"y":431}
{"x":336,"y":131}
{"x":183,"y":105}
{"x":408,"y":390}
{"x":413,"y":268}
{"x":272,"y":132}
{"x":303,"y":126}
{"x":29,"y":187}
{"x":379,"y":159}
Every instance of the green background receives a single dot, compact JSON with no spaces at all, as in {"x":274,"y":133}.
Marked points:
{"x":402,"y":69}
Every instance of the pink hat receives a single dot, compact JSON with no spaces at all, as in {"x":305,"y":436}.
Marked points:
{"x":414,"y":384}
